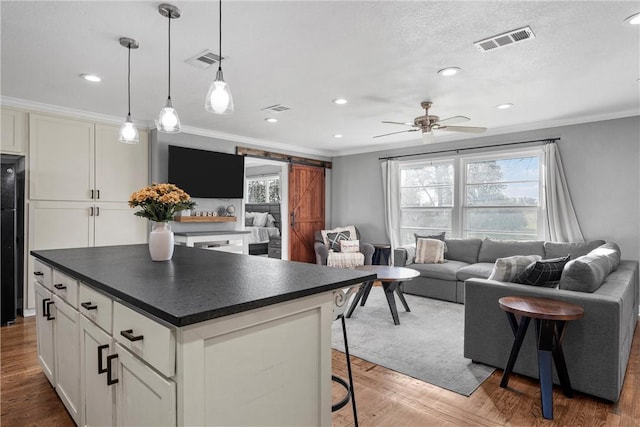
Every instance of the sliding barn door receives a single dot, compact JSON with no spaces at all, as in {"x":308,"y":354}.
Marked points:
{"x":306,"y":210}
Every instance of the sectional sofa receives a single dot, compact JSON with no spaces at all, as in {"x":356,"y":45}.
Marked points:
{"x":596,"y":347}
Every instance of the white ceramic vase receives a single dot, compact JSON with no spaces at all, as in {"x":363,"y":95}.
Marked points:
{"x":161,"y":242}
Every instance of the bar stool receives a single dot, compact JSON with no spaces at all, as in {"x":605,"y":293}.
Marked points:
{"x":341,"y":299}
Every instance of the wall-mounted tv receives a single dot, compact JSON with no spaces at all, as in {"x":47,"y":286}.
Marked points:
{"x":207,"y":174}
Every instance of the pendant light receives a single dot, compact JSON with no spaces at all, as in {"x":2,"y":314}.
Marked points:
{"x":128,"y":132}
{"x":168,"y":120}
{"x":219,"y":99}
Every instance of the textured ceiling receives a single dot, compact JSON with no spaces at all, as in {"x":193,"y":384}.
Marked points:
{"x":382,"y":56}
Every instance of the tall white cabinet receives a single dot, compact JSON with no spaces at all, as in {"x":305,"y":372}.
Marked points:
{"x":80,"y":179}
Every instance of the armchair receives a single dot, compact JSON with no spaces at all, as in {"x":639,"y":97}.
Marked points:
{"x":322,"y":252}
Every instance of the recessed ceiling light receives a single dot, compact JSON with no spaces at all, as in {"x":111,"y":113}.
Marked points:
{"x":337,"y":135}
{"x":340,"y":101}
{"x":271,"y":120}
{"x":91,"y":78}
{"x":633,"y":19}
{"x":450,"y":71}
{"x":504,"y":106}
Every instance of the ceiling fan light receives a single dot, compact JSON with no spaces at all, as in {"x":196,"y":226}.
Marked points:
{"x":427,"y":137}
{"x":219,"y":99}
{"x":168,"y":119}
{"x":128,"y":132}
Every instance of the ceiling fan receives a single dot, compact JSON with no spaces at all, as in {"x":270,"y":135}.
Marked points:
{"x":428,"y":123}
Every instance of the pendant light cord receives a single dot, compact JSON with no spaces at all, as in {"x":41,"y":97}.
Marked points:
{"x":129,"y":81}
{"x":220,"y":35}
{"x":169,"y":65}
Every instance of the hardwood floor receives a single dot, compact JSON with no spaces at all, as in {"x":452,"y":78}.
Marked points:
{"x":384,"y":397}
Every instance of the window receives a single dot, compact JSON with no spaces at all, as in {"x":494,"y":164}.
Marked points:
{"x":263,"y":189}
{"x":494,"y":196}
{"x":426,"y":199}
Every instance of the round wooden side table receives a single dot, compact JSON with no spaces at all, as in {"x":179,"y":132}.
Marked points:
{"x":551,"y":317}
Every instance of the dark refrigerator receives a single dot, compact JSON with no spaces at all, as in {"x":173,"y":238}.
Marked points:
{"x":11,"y":236}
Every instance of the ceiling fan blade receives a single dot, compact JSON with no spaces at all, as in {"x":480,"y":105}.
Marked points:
{"x":398,"y":123}
{"x":393,"y":133}
{"x":454,"y":119}
{"x":468,"y":129}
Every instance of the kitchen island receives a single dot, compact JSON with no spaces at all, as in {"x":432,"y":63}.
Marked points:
{"x":208,"y":338}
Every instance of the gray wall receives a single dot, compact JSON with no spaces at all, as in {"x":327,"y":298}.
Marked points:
{"x":262,"y":170}
{"x":601,"y":161}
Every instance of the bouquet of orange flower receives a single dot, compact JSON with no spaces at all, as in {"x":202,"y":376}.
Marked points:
{"x":159,"y":202}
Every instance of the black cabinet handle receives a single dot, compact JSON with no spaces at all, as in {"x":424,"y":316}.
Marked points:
{"x":45,"y":306}
{"x":128,"y":334}
{"x":111,"y":381}
{"x":60,"y":286}
{"x":98,"y":210}
{"x":91,"y":211}
{"x":97,"y":194}
{"x":101,"y":348}
{"x":48,"y":309}
{"x":38,"y":273}
{"x":91,"y":194}
{"x":88,"y":306}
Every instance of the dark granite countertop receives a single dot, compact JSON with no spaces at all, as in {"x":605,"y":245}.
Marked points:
{"x":196,"y":285}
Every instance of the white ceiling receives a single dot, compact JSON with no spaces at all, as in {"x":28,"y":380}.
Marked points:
{"x":383,"y":56}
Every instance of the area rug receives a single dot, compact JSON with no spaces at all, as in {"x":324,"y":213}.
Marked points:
{"x":427,"y":345}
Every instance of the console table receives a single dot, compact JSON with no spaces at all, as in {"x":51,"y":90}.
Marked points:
{"x":221,"y":239}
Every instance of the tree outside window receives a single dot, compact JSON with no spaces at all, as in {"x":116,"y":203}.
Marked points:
{"x":264,"y":189}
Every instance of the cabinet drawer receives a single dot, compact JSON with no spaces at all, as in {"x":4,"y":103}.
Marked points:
{"x":66,"y":288}
{"x":96,"y":307}
{"x":275,"y":253}
{"x":42,"y":273}
{"x":153,"y":342}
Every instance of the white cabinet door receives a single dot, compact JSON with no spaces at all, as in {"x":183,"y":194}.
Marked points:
{"x":67,"y":345}
{"x":61,"y":158}
{"x":121,"y":168}
{"x":143,"y":397}
{"x":98,"y":398}
{"x":115,"y":224}
{"x":59,"y":225}
{"x":44,"y":331}
{"x":14,"y":131}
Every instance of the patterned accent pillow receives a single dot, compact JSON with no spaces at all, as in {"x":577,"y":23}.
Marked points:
{"x":545,"y":273}
{"x":506,"y":269}
{"x":333,"y":239}
{"x":349,"y":245}
{"x":439,"y":236}
{"x":429,"y":251}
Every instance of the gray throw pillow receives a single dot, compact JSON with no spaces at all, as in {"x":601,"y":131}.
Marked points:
{"x":545,"y":273}
{"x":248,"y":221}
{"x":334,"y":239}
{"x":507,"y":269}
{"x":588,"y":272}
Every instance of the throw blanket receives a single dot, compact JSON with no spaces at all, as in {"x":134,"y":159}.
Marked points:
{"x":345,"y":259}
{"x":429,"y":251}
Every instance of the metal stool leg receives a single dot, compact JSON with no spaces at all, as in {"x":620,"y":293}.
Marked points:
{"x":346,"y":351}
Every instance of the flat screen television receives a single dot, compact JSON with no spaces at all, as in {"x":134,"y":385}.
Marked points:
{"x":207,"y":174}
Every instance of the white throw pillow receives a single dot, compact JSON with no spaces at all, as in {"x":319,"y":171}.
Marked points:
{"x":260,"y":219}
{"x":506,"y":269}
{"x":349,"y":245}
{"x":429,"y":251}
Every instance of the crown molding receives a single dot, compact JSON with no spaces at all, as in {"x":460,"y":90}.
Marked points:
{"x":549,"y":124}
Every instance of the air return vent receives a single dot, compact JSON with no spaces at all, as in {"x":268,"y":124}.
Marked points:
{"x":204,"y":59}
{"x":505,"y":39}
{"x":277,"y":108}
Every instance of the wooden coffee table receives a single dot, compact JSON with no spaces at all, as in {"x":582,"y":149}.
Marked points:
{"x":391,"y":278}
{"x":551,"y":317}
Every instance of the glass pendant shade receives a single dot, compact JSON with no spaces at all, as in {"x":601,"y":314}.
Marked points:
{"x":128,"y":132}
{"x":168,"y":119}
{"x":427,"y":137}
{"x":219,"y":99}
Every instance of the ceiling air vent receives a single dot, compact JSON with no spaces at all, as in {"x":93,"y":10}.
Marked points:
{"x":205,"y":59}
{"x":277,"y":108}
{"x":505,"y":39}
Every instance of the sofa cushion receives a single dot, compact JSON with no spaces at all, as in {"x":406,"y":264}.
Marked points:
{"x":545,"y":273}
{"x":586,"y":274}
{"x":491,"y":250}
{"x":506,"y":269}
{"x":575,"y":250}
{"x":446,"y":271}
{"x":480,"y":270}
{"x":465,"y":250}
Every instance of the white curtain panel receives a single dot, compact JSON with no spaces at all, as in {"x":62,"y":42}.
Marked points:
{"x":561,"y":222}
{"x":391,"y":194}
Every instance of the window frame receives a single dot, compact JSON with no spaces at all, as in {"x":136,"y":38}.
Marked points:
{"x":266,"y":179}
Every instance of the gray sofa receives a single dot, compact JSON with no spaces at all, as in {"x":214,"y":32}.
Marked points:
{"x":596,"y":347}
